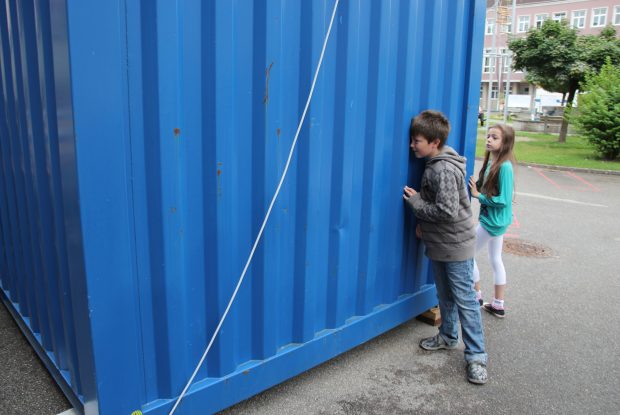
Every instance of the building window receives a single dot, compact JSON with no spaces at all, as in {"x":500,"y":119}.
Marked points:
{"x":508,"y":27}
{"x":487,"y":66}
{"x":481,"y":90}
{"x":494,"y":93}
{"x":506,"y":60}
{"x":616,"y":15}
{"x":490,"y":26}
{"x":559,"y":16}
{"x":599,"y":17}
{"x":526,"y":89}
{"x":579,"y":19}
{"x":524,"y":24}
{"x":539,"y":19}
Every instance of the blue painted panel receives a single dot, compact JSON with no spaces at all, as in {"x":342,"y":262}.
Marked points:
{"x":42,"y":281}
{"x":140,"y":145}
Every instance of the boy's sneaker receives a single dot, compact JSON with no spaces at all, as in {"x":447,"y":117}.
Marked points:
{"x":436,"y":343}
{"x":477,"y":373}
{"x":497,"y":312}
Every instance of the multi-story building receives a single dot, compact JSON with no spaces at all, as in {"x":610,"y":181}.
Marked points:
{"x":587,"y":16}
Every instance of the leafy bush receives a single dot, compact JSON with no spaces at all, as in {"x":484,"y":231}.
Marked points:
{"x":598,"y":118}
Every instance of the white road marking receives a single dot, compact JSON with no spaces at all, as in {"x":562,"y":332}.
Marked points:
{"x":576,"y":202}
{"x":69,"y":412}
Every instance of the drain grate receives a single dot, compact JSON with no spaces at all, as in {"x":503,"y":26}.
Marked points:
{"x":526,"y":248}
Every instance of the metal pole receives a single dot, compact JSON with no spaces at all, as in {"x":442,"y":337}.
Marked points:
{"x":509,"y":57}
{"x":492,"y":61}
{"x":499,"y":81}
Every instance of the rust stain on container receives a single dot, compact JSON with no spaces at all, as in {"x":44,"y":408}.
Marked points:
{"x":267,"y":74}
{"x":177,"y":132}
{"x":278,"y":133}
{"x":219,"y":181}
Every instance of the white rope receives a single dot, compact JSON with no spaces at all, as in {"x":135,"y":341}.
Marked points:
{"x":262,"y":228}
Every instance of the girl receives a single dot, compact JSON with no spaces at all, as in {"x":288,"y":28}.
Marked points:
{"x":494,"y":190}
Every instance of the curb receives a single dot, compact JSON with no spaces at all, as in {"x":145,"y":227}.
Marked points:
{"x":566,"y":168}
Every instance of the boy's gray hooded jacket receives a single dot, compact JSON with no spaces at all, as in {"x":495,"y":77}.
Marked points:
{"x":443,"y":209}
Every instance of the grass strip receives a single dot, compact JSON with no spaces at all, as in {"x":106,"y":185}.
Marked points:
{"x":544,"y":148}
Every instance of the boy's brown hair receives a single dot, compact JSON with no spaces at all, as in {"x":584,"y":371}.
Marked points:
{"x":431,"y":125}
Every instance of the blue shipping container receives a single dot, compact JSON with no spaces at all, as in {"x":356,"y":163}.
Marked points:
{"x":140,"y":145}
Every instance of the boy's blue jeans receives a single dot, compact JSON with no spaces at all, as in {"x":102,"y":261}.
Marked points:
{"x":457,"y":300}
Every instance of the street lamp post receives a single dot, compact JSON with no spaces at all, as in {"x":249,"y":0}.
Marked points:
{"x":509,"y":57}
{"x":492,"y":62}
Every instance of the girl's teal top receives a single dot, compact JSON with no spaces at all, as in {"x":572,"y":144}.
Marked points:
{"x":496,"y":211}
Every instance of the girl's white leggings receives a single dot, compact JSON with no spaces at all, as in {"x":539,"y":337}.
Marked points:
{"x":494,"y":245}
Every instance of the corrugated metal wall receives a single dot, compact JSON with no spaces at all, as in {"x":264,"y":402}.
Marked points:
{"x":174,"y":120}
{"x":40,"y":273}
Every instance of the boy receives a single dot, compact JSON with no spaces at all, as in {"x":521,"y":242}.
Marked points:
{"x":446,"y":226}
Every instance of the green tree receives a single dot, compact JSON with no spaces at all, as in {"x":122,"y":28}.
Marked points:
{"x":598,"y":116}
{"x":558,"y":59}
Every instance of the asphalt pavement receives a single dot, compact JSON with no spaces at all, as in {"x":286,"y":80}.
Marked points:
{"x":26,"y":388}
{"x":556,"y":352}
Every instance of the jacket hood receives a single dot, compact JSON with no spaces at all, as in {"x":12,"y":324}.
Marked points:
{"x":451,"y":156}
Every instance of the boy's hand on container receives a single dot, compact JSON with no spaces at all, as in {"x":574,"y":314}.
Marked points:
{"x":418,"y":231}
{"x":472,"y":186}
{"x":408,"y":192}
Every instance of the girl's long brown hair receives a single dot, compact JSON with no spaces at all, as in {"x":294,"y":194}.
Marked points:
{"x":489,"y":186}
